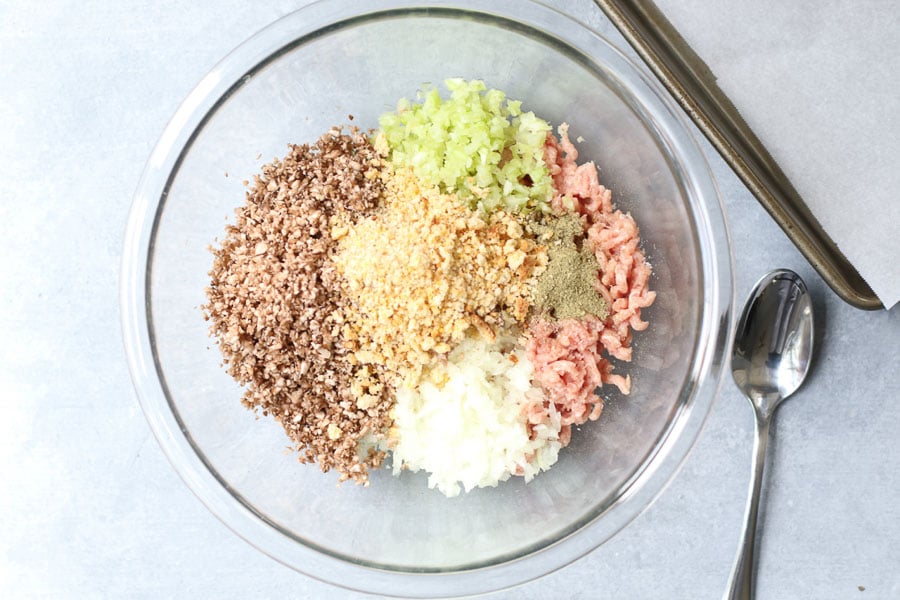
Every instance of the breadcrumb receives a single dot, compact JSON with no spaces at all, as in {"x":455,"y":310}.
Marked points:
{"x":424,"y":269}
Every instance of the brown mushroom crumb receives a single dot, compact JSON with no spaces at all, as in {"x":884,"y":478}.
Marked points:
{"x":274,"y":296}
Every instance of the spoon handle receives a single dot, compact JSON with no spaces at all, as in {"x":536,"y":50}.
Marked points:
{"x":740,"y":583}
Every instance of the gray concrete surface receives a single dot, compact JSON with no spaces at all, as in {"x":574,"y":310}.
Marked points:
{"x":89,"y":506}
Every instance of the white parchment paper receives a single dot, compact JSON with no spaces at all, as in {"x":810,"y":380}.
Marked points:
{"x":819,"y":83}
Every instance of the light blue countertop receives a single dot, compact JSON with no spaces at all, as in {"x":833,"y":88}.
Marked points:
{"x":89,"y":506}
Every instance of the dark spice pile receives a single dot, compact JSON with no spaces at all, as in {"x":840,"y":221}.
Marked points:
{"x":567,"y":289}
{"x":274,"y":294}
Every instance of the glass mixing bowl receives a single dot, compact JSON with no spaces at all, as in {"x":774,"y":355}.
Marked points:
{"x":290,"y":83}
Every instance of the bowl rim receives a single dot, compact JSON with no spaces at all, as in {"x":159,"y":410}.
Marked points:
{"x":664,"y":460}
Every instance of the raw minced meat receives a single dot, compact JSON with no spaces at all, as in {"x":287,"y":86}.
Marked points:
{"x":568,"y":355}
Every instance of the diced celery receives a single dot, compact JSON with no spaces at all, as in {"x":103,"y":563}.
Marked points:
{"x":476,"y":143}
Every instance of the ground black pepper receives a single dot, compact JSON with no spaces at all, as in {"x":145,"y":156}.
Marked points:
{"x":567,"y":289}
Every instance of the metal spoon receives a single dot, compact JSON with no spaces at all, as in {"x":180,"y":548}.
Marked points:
{"x":771,"y":356}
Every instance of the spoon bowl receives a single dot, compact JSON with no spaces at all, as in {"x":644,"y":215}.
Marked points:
{"x":773,"y":341}
{"x":771,"y":356}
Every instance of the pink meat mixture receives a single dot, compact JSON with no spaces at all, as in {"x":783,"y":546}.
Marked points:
{"x":567,"y":354}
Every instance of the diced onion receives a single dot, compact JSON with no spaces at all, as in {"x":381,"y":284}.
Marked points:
{"x":470,"y":431}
